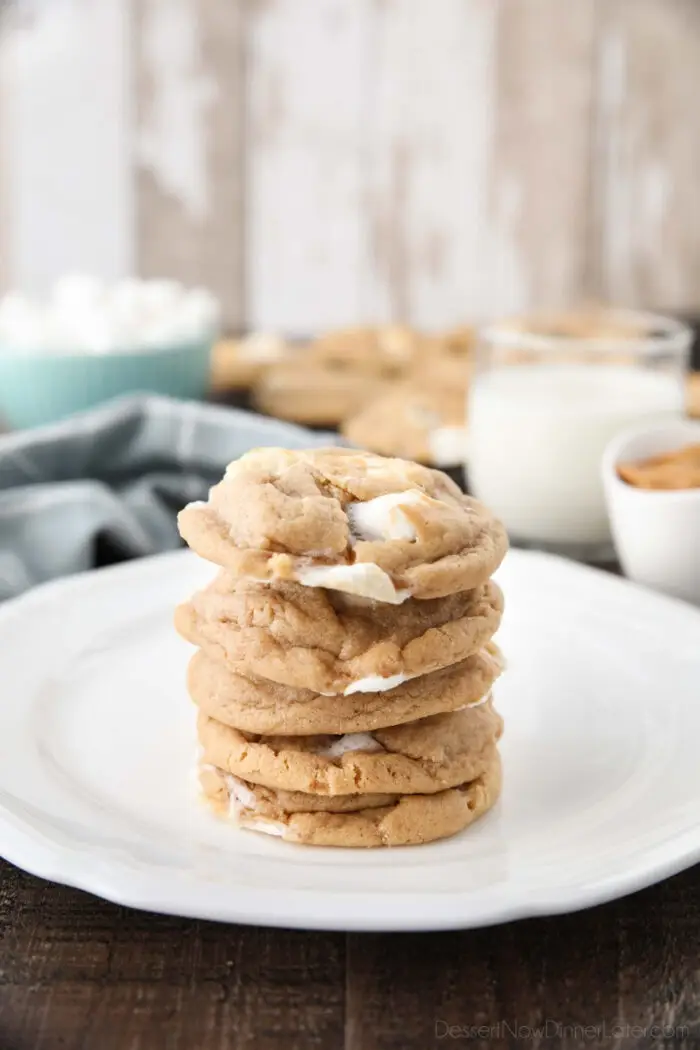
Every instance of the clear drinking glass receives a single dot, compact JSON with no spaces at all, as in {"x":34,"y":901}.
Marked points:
{"x":547,"y":395}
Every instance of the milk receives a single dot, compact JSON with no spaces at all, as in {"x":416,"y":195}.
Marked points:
{"x":537,"y":434}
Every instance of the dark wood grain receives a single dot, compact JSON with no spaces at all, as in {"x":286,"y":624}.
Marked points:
{"x":77,"y":972}
{"x":587,"y":979}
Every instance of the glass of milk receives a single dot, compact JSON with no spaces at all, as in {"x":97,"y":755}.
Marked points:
{"x":547,"y":396}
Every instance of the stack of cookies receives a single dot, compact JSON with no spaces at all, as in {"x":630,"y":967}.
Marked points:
{"x":344,"y":666}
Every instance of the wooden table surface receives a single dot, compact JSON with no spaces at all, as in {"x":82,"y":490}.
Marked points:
{"x":77,"y":972}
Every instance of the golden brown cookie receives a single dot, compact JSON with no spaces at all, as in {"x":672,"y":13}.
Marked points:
{"x":414,"y":421}
{"x":406,"y":820}
{"x":694,"y":394}
{"x":381,"y":528}
{"x":331,"y":642}
{"x":238,"y":363}
{"x":265,"y":707}
{"x":224,"y":792}
{"x":421,"y":757}
{"x":385,"y":351}
{"x":313,"y":393}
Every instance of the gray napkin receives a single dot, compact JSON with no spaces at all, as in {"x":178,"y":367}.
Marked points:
{"x":108,"y":483}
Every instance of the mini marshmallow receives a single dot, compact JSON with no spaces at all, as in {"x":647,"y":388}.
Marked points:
{"x":83,"y":315}
{"x":351,"y":742}
{"x":447,"y":445}
{"x":364,"y":579}
{"x":382,"y":518}
{"x":375,"y":683}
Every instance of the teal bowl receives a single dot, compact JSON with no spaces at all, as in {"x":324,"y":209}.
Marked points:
{"x":41,"y":388}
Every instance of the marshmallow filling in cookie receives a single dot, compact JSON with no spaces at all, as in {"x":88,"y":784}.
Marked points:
{"x":477,"y":703}
{"x":363,"y":579}
{"x":382,"y":518}
{"x":343,"y":745}
{"x":242,"y":807}
{"x":375,"y":683}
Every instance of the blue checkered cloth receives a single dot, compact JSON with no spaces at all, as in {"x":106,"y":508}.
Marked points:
{"x":116,"y":477}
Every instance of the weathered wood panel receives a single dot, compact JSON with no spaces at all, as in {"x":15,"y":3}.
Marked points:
{"x":397,"y":158}
{"x":541,"y":245}
{"x":66,"y":140}
{"x":189,"y":127}
{"x":5,"y":149}
{"x":309,"y":85}
{"x":649,"y":155}
{"x":429,"y":118}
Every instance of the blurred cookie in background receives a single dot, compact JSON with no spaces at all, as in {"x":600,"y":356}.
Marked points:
{"x":414,"y":421}
{"x":238,"y":363}
{"x":457,"y":343}
{"x":304,"y":391}
{"x":694,"y":395}
{"x":387,"y":351}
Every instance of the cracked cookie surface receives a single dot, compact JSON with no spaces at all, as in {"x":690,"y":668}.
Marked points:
{"x":331,"y":642}
{"x":385,"y":529}
{"x":257,"y":706}
{"x":422,"y":757}
{"x":352,"y":821}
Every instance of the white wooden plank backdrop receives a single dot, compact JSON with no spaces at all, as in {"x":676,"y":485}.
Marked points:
{"x":320,"y":162}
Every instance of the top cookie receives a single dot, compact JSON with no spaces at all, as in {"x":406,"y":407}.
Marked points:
{"x":384,"y":529}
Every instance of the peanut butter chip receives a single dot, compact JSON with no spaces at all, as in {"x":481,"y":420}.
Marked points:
{"x":679,"y":469}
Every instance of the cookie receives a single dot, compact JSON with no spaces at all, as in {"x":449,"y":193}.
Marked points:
{"x":385,"y":351}
{"x":314,"y":394}
{"x":422,"y":757}
{"x":269,"y":708}
{"x":238,"y":363}
{"x":693,"y":391}
{"x":380,"y":528}
{"x":224,"y":792}
{"x":331,"y":642}
{"x":405,"y":820}
{"x":459,"y":342}
{"x":414,"y":421}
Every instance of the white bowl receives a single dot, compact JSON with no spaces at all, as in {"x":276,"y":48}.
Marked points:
{"x":656,"y":533}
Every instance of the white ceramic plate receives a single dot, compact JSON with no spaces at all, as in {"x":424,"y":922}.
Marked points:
{"x":602,"y":780}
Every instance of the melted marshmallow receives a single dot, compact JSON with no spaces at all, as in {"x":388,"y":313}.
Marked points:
{"x":364,"y":579}
{"x":382,"y":518}
{"x":375,"y":683}
{"x":351,"y":742}
{"x":479,"y":703}
{"x":240,"y":794}
{"x":266,"y":827}
{"x":242,"y":798}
